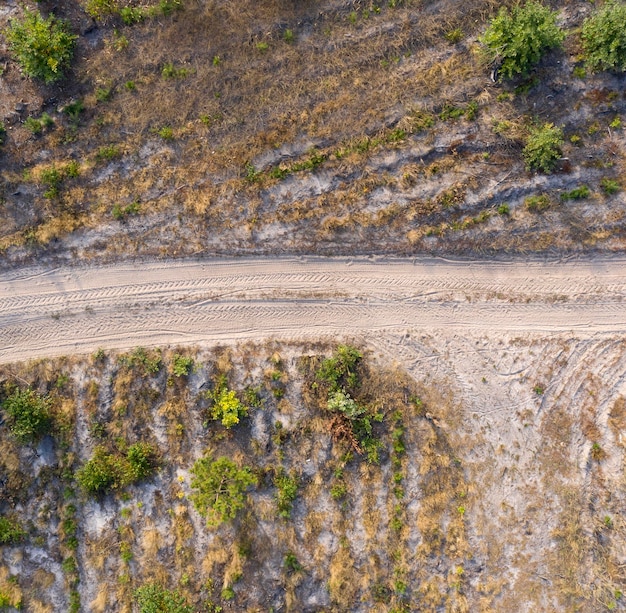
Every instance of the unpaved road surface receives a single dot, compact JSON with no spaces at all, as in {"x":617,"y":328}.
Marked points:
{"x":76,"y":310}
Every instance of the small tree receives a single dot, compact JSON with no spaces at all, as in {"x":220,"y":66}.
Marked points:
{"x":42,"y":47}
{"x":604,"y":38}
{"x":517,"y":38}
{"x":29,"y":414}
{"x":221,"y":487}
{"x":543,"y":148}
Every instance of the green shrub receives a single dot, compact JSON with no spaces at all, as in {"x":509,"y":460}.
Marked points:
{"x":340,"y":370}
{"x":578,"y":193}
{"x":537,"y":203}
{"x":29,"y":414}
{"x":142,"y":459}
{"x":517,"y":38}
{"x":286,"y":492}
{"x":153,"y":598}
{"x":42,"y":47}
{"x":291,"y":562}
{"x":181,"y":365}
{"x":227,"y":408}
{"x":100,"y":9}
{"x":11,"y":531}
{"x":543,"y":148}
{"x":220,"y":488}
{"x":609,"y":186}
{"x":3,"y":133}
{"x":604,"y":37}
{"x":37,"y":126}
{"x":105,"y":471}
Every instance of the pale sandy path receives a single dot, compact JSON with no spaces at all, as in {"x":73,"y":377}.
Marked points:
{"x":76,"y":310}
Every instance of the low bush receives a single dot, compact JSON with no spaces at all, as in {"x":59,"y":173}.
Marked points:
{"x":543,"y":148}
{"x":42,"y":47}
{"x":226,"y":408}
{"x":11,"y":531}
{"x":105,"y":471}
{"x":154,"y":598}
{"x":604,"y":38}
{"x":517,"y":38}
{"x":28,"y":413}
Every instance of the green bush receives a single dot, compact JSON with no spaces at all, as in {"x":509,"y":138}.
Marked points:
{"x":543,"y":148}
{"x":227,"y":408}
{"x":604,"y":37}
{"x":220,"y":488}
{"x":181,"y":365}
{"x":340,"y":369}
{"x":42,"y":47}
{"x":517,"y":38}
{"x":11,"y":531}
{"x":286,"y":492}
{"x":29,"y":414}
{"x":578,"y":193}
{"x":105,"y":471}
{"x":153,"y":598}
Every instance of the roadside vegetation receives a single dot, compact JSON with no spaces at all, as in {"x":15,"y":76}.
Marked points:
{"x":330,"y":128}
{"x":351,"y":487}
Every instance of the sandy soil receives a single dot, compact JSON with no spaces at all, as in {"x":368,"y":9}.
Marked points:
{"x":76,"y":310}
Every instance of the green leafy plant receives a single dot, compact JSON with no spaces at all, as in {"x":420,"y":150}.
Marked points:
{"x":38,"y":125}
{"x":578,"y":193}
{"x":121,"y":212}
{"x":105,"y":470}
{"x":537,"y":203}
{"x":29,"y":414}
{"x":100,"y":9}
{"x":154,"y":598}
{"x":543,"y":148}
{"x":11,"y":531}
{"x":226,"y":408}
{"x":286,"y":492}
{"x":42,"y":47}
{"x":220,"y":488}
{"x":181,"y":365}
{"x":609,"y":186}
{"x":517,"y":38}
{"x":604,"y":37}
{"x":291,"y":562}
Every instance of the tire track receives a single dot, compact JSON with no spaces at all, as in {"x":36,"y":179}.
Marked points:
{"x":78,"y":309}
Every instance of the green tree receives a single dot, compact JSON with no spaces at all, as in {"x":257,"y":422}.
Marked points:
{"x":42,"y":47}
{"x":29,"y":414}
{"x":517,"y":38}
{"x":153,"y":598}
{"x":220,"y":488}
{"x":604,"y":37}
{"x":543,"y":148}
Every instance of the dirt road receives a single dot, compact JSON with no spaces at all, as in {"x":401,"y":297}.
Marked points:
{"x":76,"y":310}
